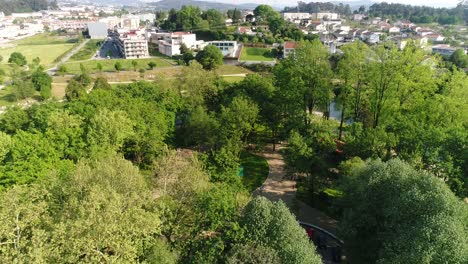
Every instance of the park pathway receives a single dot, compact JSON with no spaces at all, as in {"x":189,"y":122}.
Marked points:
{"x":278,"y":186}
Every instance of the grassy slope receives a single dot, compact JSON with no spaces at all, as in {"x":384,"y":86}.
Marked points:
{"x":87,"y":51}
{"x":255,"y":170}
{"x":256,"y":54}
{"x":108,"y":65}
{"x":45,"y":46}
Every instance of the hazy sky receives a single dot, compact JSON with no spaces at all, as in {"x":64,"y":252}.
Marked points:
{"x":281,"y":3}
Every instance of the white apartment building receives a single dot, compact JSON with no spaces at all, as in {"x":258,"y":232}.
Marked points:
{"x":112,"y":22}
{"x":325,"y":16}
{"x":26,"y":15}
{"x":169,"y":43}
{"x":296,"y":16}
{"x":289,"y":48}
{"x":132,"y":46}
{"x":130,"y":22}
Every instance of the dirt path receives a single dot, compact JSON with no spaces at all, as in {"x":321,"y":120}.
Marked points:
{"x":278,"y":187}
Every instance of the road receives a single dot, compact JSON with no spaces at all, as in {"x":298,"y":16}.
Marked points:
{"x":278,"y":186}
{"x":52,"y":70}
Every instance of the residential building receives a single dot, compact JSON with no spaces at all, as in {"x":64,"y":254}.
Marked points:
{"x":296,"y":16}
{"x":130,"y":22}
{"x":2,"y":15}
{"x":97,"y":30}
{"x":111,"y":22}
{"x":26,"y":15}
{"x":132,"y":46}
{"x":402,"y":41}
{"x":444,"y":50}
{"x":358,"y":17}
{"x":147,"y":17}
{"x":228,"y":48}
{"x":434,"y":37}
{"x":170,"y":43}
{"x":393,"y":30}
{"x":325,"y":16}
{"x":245,"y":30}
{"x":289,"y":48}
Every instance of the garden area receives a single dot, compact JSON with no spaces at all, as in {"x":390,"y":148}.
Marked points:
{"x":256,"y":54}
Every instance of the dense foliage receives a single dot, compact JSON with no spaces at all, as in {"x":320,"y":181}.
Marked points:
{"x":19,"y":6}
{"x":315,"y":7}
{"x":420,"y":14}
{"x":395,"y":214}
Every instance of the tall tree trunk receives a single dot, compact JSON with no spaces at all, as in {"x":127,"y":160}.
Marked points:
{"x":342,"y":120}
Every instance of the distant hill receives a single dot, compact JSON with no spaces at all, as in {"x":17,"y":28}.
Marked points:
{"x":177,"y":4}
{"x":19,"y":6}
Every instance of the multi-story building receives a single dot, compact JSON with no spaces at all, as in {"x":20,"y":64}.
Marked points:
{"x":296,"y":16}
{"x":132,"y":46}
{"x":97,"y":30}
{"x":228,"y":48}
{"x":170,"y":43}
{"x":325,"y":16}
{"x":130,"y":22}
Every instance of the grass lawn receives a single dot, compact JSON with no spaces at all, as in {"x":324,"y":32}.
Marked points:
{"x":46,"y":46}
{"x":233,"y":79}
{"x":255,"y":170}
{"x":47,"y":53}
{"x":256,"y":54}
{"x":108,"y":65}
{"x":87,"y":51}
{"x":231,"y":69}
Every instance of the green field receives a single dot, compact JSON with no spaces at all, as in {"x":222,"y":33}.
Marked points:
{"x":233,"y":79}
{"x":45,"y":46}
{"x":256,"y":54}
{"x":108,"y":65}
{"x":255,"y":170}
{"x":87,"y":51}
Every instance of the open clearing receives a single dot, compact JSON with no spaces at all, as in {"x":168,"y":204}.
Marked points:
{"x":256,"y":54}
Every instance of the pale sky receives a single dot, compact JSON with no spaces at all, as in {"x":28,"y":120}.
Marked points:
{"x":282,"y":3}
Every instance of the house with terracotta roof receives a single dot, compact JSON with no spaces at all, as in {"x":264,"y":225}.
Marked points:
{"x":245,"y":30}
{"x":289,"y":48}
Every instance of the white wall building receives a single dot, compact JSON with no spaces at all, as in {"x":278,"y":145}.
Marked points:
{"x":296,"y":16}
{"x":169,"y":43}
{"x":130,"y":22}
{"x":325,"y":16}
{"x":228,"y":48}
{"x":132,"y":46}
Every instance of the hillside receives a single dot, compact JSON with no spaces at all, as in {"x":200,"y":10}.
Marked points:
{"x":177,"y":4}
{"x":13,"y":6}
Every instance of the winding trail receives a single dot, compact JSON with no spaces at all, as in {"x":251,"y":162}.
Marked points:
{"x":278,"y":186}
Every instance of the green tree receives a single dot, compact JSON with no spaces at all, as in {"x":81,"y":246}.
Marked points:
{"x":459,"y":58}
{"x":101,"y":83}
{"x":151,"y":65}
{"x":1,"y":58}
{"x":74,"y":90}
{"x":14,"y":119}
{"x":272,"y":225}
{"x":118,"y":66}
{"x":18,"y":59}
{"x":252,"y":254}
{"x":395,"y":214}
{"x":109,"y":129}
{"x":62,"y":70}
{"x":23,"y":89}
{"x":99,"y":67}
{"x":210,"y":57}
{"x":265,"y":12}
{"x":134,"y":64}
{"x":43,"y":83}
